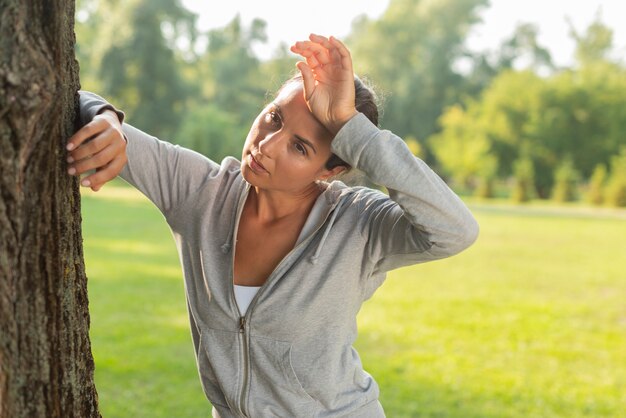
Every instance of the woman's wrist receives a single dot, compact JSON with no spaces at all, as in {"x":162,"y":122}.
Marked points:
{"x":110,"y":113}
{"x":114,"y":119}
{"x":335,"y":126}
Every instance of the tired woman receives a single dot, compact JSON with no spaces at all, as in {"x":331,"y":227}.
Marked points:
{"x":277,"y":258}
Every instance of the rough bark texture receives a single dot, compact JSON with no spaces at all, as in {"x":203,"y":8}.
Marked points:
{"x":46,"y":366}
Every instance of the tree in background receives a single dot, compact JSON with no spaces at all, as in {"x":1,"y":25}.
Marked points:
{"x":522,"y":47}
{"x":232,"y":91}
{"x":233,"y":69}
{"x":211,"y":131}
{"x":410,"y":51}
{"x":275,"y":71}
{"x":577,"y":114}
{"x":136,"y":60}
{"x":46,"y":366}
{"x":463,"y":150}
{"x":495,"y":128}
{"x":595,"y":44}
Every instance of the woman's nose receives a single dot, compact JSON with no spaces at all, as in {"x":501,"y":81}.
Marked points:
{"x":269,"y":144}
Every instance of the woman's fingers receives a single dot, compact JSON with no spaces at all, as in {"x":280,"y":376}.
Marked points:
{"x":105,"y":174}
{"x":312,"y":52}
{"x":93,"y":128}
{"x":308,"y":79}
{"x":322,"y":50}
{"x":91,"y":147}
{"x":346,"y":58}
{"x":319,"y":50}
{"x":322,"y":40}
{"x":94,"y":161}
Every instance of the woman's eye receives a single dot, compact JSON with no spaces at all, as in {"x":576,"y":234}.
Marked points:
{"x":300,"y":148}
{"x":273,"y":118}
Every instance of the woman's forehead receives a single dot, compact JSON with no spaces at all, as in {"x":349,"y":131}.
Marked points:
{"x":291,"y":92}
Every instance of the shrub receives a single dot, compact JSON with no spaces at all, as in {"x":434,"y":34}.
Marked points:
{"x":523,"y":186}
{"x":566,"y":179}
{"x":597,"y":183}
{"x":616,"y":187}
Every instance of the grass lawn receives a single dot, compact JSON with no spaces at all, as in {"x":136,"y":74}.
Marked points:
{"x":529,"y":322}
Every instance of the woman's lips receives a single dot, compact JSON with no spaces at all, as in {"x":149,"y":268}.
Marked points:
{"x":256,"y":166}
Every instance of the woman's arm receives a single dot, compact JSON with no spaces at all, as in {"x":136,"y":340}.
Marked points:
{"x":423,"y":219}
{"x":167,"y":174}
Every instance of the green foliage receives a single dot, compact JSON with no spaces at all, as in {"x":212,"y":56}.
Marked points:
{"x":616,"y":187}
{"x":566,"y":181}
{"x":129,"y":54}
{"x":462,"y":150}
{"x":578,"y":113}
{"x":584,"y":115}
{"x":211,"y":131}
{"x":232,"y":91}
{"x":595,"y":193}
{"x":232,"y":77}
{"x":409,"y":51}
{"x":593,"y":45}
{"x":143,"y":72}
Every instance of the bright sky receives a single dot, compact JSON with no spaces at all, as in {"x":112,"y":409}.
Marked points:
{"x":291,"y":21}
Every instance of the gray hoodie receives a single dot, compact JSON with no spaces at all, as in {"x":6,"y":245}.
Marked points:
{"x":291,"y":354}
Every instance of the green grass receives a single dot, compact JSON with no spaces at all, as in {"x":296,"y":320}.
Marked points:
{"x":529,"y":322}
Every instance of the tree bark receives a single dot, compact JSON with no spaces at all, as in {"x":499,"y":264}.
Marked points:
{"x":46,"y":366}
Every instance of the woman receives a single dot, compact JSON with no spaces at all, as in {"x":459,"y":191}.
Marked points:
{"x":276,"y":260}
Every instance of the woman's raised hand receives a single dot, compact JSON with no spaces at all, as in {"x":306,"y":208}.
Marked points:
{"x":328,"y":80}
{"x":105,"y":152}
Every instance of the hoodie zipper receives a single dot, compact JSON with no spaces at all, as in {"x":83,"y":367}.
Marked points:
{"x":243,"y":337}
{"x":246,"y":363}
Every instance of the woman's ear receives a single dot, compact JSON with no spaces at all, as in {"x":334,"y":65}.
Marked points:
{"x":332,"y":173}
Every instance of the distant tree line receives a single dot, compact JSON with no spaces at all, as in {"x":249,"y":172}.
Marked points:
{"x":501,"y":123}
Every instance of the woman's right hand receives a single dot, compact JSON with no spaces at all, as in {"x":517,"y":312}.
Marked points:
{"x":328,"y":80}
{"x":98,"y":145}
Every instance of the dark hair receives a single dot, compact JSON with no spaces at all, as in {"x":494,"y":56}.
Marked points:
{"x":365,"y":101}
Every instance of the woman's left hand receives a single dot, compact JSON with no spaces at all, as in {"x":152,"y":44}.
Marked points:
{"x":328,"y":80}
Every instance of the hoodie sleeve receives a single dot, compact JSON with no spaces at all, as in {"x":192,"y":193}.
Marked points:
{"x":422,"y":219}
{"x":167,"y":174}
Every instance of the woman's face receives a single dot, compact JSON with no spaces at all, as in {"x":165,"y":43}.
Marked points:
{"x":286,"y":148}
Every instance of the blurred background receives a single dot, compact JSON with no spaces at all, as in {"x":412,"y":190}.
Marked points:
{"x":519,"y":106}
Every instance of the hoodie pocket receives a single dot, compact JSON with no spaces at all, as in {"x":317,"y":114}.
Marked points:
{"x":274,"y":384}
{"x":216,"y":365}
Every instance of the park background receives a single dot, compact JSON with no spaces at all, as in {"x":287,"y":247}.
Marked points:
{"x":530,"y":321}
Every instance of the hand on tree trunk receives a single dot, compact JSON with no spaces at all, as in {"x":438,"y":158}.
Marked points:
{"x":99,"y":145}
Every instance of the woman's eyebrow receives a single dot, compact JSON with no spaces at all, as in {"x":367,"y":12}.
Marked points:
{"x":298,"y":137}
{"x":306,"y":142}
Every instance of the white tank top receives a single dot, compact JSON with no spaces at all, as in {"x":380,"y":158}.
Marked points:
{"x":244,"y":295}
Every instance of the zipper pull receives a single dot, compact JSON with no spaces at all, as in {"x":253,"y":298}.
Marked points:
{"x":242,"y":324}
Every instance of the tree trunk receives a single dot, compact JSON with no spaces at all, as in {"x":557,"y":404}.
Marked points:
{"x":46,"y":366}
